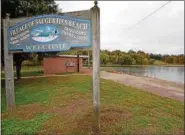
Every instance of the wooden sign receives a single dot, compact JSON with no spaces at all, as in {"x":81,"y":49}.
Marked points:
{"x":50,"y":33}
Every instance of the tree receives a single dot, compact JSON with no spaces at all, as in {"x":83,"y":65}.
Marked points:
{"x":125,"y":59}
{"x":20,"y":8}
{"x":151,"y":61}
{"x":131,"y":51}
{"x":169,"y":59}
{"x":145,"y":61}
{"x":104,"y":58}
{"x":181,"y":59}
{"x":19,"y":58}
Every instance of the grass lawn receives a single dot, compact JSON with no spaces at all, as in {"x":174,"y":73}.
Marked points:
{"x":27,"y":71}
{"x":64,"y":105}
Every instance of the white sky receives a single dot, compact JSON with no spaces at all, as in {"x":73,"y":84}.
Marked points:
{"x":163,"y":32}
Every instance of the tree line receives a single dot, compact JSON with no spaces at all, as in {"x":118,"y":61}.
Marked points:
{"x":138,"y":58}
{"x":131,"y":57}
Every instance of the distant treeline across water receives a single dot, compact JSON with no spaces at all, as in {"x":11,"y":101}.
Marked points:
{"x":131,"y":57}
{"x":118,"y":58}
{"x":139,"y":58}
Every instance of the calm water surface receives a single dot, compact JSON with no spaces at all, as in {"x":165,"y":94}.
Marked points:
{"x":174,"y":74}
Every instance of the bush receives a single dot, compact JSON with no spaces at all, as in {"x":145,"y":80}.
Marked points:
{"x":28,"y":63}
{"x":145,"y":61}
{"x":151,"y":61}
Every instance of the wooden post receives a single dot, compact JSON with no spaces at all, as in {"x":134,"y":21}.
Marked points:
{"x":9,"y":74}
{"x":95,"y":17}
{"x":88,"y":60}
{"x":78,"y":59}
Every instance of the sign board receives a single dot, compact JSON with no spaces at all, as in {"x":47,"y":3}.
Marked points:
{"x":49,"y":33}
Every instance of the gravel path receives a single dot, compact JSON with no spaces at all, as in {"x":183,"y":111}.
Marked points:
{"x":155,"y":86}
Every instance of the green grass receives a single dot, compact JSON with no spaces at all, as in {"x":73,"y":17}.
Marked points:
{"x":64,"y":105}
{"x":27,"y":71}
{"x":29,"y":68}
{"x":26,"y":74}
{"x":32,"y":71}
{"x":24,"y":127}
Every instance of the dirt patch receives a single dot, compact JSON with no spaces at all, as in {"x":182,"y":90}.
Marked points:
{"x":151,"y":130}
{"x":178,"y":131}
{"x":108,"y":118}
{"x":66,"y":116}
{"x":84,"y":124}
{"x":73,"y":107}
{"x":113,"y":116}
{"x":69,"y":119}
{"x":76,"y":117}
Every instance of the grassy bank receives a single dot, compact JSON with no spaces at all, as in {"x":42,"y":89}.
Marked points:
{"x":64,"y":105}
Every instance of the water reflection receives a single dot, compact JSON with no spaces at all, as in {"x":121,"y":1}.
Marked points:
{"x":175,"y":74}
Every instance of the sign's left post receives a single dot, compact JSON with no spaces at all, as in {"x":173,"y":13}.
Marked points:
{"x":9,"y":74}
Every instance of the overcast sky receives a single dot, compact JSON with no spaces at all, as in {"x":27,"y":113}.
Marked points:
{"x":163,"y":32}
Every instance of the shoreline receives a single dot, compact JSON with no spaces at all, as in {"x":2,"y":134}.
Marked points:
{"x":157,"y":79}
{"x":142,"y":65}
{"x":153,"y":85}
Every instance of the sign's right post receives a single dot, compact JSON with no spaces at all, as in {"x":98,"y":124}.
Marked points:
{"x":95,"y":17}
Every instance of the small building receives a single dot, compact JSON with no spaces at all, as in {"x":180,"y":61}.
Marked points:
{"x":63,"y":63}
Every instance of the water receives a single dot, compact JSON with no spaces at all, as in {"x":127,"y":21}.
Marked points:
{"x":174,"y":74}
